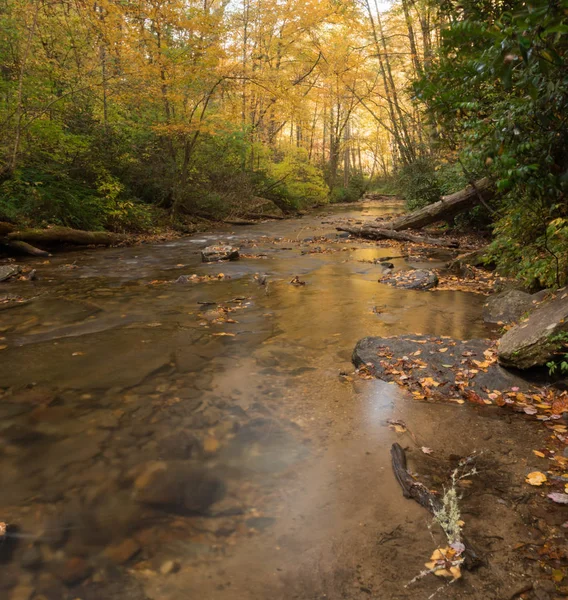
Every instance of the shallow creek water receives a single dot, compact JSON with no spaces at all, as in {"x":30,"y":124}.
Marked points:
{"x":274,"y":475}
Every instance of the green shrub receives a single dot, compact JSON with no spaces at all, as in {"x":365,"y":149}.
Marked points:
{"x":353,"y":192}
{"x":419,"y":184}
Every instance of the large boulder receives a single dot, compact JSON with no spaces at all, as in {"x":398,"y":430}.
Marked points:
{"x":415,"y":279}
{"x":217,"y":253}
{"x":536,"y":341}
{"x":507,"y":307}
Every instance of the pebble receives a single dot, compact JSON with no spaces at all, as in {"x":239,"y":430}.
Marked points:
{"x":170,"y":566}
{"x":31,"y":558}
{"x":123,"y":552}
{"x":73,"y":570}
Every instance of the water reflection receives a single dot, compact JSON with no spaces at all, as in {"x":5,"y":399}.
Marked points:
{"x":139,"y":428}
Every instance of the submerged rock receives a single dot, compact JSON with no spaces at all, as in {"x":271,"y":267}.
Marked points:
{"x":217,"y":253}
{"x":536,"y":341}
{"x":416,"y":279}
{"x":510,"y":305}
{"x":178,"y":487}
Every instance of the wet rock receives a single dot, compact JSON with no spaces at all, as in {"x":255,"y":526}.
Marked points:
{"x":36,"y":396}
{"x":208,"y":417}
{"x":9,"y":578}
{"x":7,"y":271}
{"x":443,"y":360}
{"x":260,"y":523}
{"x":178,"y":487}
{"x":72,"y":571}
{"x":507,"y":306}
{"x":180,"y":445}
{"x":217,"y":253}
{"x":343,"y":235}
{"x":20,"y":434}
{"x":386,"y":265}
{"x":22,"y":592}
{"x":416,"y":279}
{"x":74,"y":449}
{"x":122,"y":552}
{"x":31,"y":558}
{"x":170,"y":566}
{"x":537,"y":340}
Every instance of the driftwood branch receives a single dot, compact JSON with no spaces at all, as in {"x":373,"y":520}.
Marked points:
{"x":375,"y":233}
{"x":447,"y":207}
{"x":421,"y":494}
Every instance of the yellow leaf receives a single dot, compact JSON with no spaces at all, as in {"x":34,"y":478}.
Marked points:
{"x":442,"y":349}
{"x":539,"y":454}
{"x":536,"y":478}
{"x":210,"y":445}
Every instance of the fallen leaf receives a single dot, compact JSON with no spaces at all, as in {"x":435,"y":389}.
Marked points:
{"x":539,"y":454}
{"x":536,"y":478}
{"x":442,"y":349}
{"x":210,"y":445}
{"x":558,"y":497}
{"x":224,"y":334}
{"x":427,"y":450}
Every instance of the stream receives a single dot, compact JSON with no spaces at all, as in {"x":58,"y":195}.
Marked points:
{"x":166,"y":440}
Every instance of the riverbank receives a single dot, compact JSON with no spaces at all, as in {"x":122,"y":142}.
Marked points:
{"x":213,"y":438}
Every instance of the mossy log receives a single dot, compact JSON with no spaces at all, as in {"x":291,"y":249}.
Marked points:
{"x":56,"y":236}
{"x":446,"y":208}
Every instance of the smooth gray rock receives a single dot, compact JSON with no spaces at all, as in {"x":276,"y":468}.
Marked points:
{"x":7,"y":271}
{"x":415,"y":279}
{"x":538,"y":339}
{"x":217,"y":253}
{"x":507,"y":306}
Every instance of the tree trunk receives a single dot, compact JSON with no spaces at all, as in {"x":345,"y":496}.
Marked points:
{"x":375,"y":233}
{"x":447,"y":207}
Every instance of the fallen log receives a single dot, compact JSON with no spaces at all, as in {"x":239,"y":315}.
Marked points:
{"x":55,"y":236}
{"x":420,"y":493}
{"x":23,"y":248}
{"x":6,"y":227}
{"x":476,"y":258}
{"x":446,"y":208}
{"x":375,"y":233}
